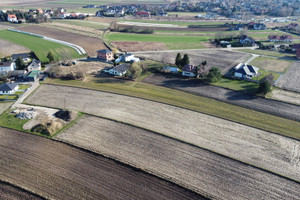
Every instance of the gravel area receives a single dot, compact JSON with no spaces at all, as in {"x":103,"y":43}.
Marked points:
{"x":261,"y":148}
{"x":182,"y":163}
{"x":58,"y":171}
{"x":291,"y":79}
{"x":269,"y":106}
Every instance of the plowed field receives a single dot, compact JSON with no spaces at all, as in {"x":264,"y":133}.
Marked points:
{"x":90,"y":44}
{"x":8,"y":192}
{"x":261,"y":148}
{"x":58,"y":171}
{"x":291,"y":79}
{"x":185,"y":164}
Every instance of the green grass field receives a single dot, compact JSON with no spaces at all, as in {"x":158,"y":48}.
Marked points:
{"x":171,"y":41}
{"x":238,"y":85}
{"x":11,"y":121}
{"x":186,"y":100}
{"x":179,"y":23}
{"x":39,"y":46}
{"x":271,"y":64}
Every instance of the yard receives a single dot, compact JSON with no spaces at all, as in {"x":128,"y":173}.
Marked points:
{"x":238,"y":85}
{"x":39,"y":46}
{"x":271,"y":64}
{"x":270,"y":53}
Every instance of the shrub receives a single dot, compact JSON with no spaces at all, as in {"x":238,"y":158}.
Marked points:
{"x":214,"y":75}
{"x":41,"y":129}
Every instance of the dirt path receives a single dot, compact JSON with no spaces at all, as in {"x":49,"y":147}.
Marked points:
{"x":260,"y":148}
{"x":229,"y":96}
{"x":58,"y":171}
{"x":187,"y":165}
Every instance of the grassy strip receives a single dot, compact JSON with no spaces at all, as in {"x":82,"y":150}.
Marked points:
{"x":39,"y":46}
{"x":174,"y":97}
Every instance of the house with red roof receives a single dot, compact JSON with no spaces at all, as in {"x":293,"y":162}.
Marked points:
{"x":12,"y":18}
{"x":105,"y":55}
{"x":143,"y":14}
{"x":189,"y":70}
{"x":283,"y":38}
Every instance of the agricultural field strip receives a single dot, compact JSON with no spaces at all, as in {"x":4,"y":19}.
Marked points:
{"x":264,"y":105}
{"x":79,"y":49}
{"x":260,"y":148}
{"x":291,"y":79}
{"x":7,"y":191}
{"x":90,"y":44}
{"x":187,"y":165}
{"x":4,"y":106}
{"x":285,"y":96}
{"x":149,"y":24}
{"x":58,"y":171}
{"x":14,"y":48}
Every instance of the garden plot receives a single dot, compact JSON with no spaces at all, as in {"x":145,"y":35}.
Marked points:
{"x":222,"y":59}
{"x":182,"y":163}
{"x":260,"y":148}
{"x":291,"y":79}
{"x":58,"y":171}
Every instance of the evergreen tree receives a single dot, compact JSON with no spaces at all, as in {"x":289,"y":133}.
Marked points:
{"x":214,"y":75}
{"x":20,"y":64}
{"x":185,"y":60}
{"x":178,"y":60}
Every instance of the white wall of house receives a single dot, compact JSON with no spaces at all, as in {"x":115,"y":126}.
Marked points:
{"x":12,"y":67}
{"x":190,"y":74}
{"x":239,"y":75}
{"x":128,"y":58}
{"x":13,"y":19}
{"x":10,"y":92}
{"x":114,"y":72}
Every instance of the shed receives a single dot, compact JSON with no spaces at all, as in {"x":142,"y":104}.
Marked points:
{"x":33,"y":76}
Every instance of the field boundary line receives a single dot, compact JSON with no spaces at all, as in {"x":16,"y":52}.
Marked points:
{"x":178,"y":107}
{"x":79,"y":49}
{"x":207,"y":196}
{"x":187,"y":143}
{"x":33,"y":193}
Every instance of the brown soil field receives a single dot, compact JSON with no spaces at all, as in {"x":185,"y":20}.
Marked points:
{"x":260,"y":148}
{"x":23,"y":2}
{"x":286,"y":96}
{"x":13,"y":48}
{"x":291,"y":79}
{"x":58,"y":171}
{"x":222,"y":59}
{"x":8,"y":192}
{"x":90,"y":44}
{"x":102,"y":19}
{"x":182,"y":163}
{"x":139,"y":46}
{"x":277,"y":108}
{"x":4,"y":106}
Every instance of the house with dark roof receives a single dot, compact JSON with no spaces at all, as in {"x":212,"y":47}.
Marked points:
{"x":8,"y":88}
{"x":283,"y":38}
{"x":119,"y":70}
{"x":245,"y":40}
{"x":21,"y":55}
{"x":245,"y":71}
{"x":35,"y":65}
{"x":295,"y":47}
{"x":105,"y":55}
{"x":189,"y":70}
{"x":7,"y":66}
{"x":143,"y":14}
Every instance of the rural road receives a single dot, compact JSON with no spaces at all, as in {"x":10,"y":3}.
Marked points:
{"x":269,"y":106}
{"x":34,"y":85}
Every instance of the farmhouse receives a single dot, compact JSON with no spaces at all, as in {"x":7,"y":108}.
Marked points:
{"x":298,"y":54}
{"x":169,"y":69}
{"x":189,"y":70}
{"x":283,"y":38}
{"x":245,"y":40}
{"x":8,"y":88}
{"x":143,"y":14}
{"x":7,"y":66}
{"x":119,"y":70}
{"x":245,"y":71}
{"x":12,"y":18}
{"x":35,"y":65}
{"x":105,"y":55}
{"x":24,"y":56}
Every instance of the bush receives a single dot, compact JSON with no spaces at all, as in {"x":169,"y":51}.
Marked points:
{"x":41,"y":129}
{"x":214,"y":75}
{"x":134,"y":71}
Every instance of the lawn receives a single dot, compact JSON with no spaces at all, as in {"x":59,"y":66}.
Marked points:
{"x":271,"y":64}
{"x":24,"y":87}
{"x":262,"y":73}
{"x":238,"y":85}
{"x":39,"y":46}
{"x":179,"y":23}
{"x":171,"y":41}
{"x":11,"y":121}
{"x":189,"y":101}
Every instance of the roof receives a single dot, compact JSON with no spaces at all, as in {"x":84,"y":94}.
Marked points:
{"x":143,"y":13}
{"x":296,"y":46}
{"x":247,"y":70}
{"x":189,"y":68}
{"x":104,"y":51}
{"x":8,"y":86}
{"x":22,"y":55}
{"x":5,"y":64}
{"x":12,"y":16}
{"x":33,"y":74}
{"x":121,"y":68}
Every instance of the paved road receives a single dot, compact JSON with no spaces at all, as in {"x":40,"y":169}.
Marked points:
{"x":26,"y":94}
{"x":269,"y":106}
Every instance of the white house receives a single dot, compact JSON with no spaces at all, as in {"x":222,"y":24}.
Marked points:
{"x":35,"y":65}
{"x":127,"y":58}
{"x":245,"y":71}
{"x":189,"y":70}
{"x":12,"y":18}
{"x":8,"y":88}
{"x":7,"y":66}
{"x":118,"y":70}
